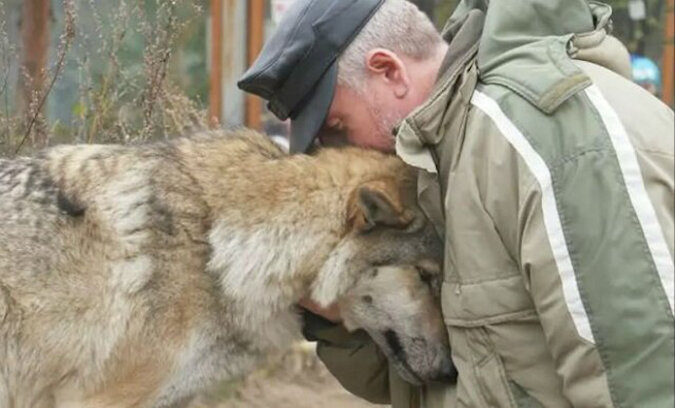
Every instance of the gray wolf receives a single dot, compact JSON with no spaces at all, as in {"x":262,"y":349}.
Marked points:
{"x":135,"y":276}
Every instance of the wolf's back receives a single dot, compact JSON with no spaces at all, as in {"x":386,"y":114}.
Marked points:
{"x":29,"y":213}
{"x":125,"y":199}
{"x":83,"y":229}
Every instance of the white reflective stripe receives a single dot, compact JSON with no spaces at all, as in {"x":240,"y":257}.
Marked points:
{"x":554,"y":230}
{"x":637,"y":192}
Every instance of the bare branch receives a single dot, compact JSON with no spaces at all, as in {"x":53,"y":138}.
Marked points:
{"x":65,"y":41}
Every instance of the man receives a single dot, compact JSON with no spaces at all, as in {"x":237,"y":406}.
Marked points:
{"x":549,"y":176}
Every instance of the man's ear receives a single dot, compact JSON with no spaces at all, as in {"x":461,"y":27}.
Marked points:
{"x":377,"y":203}
{"x":387,"y":65}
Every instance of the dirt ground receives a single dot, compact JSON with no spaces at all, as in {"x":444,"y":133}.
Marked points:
{"x":295,"y":380}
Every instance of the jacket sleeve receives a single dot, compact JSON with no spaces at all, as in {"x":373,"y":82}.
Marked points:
{"x":353,"y":358}
{"x":596,"y":285}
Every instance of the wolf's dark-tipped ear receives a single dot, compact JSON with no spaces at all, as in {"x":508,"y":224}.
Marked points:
{"x":378,"y":203}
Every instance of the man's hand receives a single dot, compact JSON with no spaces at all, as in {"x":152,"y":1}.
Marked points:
{"x":331,"y":312}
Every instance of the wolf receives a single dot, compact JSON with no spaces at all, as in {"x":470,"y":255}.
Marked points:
{"x":136,"y":276}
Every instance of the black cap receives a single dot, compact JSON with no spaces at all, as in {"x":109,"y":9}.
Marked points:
{"x":296,"y":72}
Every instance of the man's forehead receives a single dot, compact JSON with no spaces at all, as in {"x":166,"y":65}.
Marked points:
{"x":335,"y":106}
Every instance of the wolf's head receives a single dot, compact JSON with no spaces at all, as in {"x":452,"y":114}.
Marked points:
{"x":385,"y":276}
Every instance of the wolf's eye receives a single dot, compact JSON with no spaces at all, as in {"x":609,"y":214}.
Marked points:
{"x":425,"y":276}
{"x":367,"y":299}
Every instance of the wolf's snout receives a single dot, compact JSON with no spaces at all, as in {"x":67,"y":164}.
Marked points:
{"x":428,"y":360}
{"x":441,"y":368}
{"x":447,"y":372}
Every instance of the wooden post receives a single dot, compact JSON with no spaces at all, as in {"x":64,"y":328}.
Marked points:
{"x":216,"y":68}
{"x":35,"y":43}
{"x":668,"y":61}
{"x":256,"y":27}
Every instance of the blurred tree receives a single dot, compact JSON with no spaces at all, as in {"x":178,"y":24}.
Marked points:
{"x":100,"y":71}
{"x":427,"y":6}
{"x":35,"y":32}
{"x":443,"y":10}
{"x":643,"y":36}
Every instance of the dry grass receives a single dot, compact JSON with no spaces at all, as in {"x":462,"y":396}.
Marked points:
{"x":117,"y":101}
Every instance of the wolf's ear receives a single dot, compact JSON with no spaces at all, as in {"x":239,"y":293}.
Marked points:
{"x":378,"y":203}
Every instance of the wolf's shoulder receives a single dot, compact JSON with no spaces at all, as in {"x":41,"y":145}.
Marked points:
{"x":235,"y":144}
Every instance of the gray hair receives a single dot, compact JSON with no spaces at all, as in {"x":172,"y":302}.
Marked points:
{"x":398,"y":26}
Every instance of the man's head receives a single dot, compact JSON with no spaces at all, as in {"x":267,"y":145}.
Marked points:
{"x":384,"y":74}
{"x":371,"y":66}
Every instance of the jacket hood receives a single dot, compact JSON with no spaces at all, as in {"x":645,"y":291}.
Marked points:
{"x":526,"y":46}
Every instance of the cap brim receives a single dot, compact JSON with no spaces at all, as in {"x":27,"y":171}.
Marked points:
{"x":307,"y":122}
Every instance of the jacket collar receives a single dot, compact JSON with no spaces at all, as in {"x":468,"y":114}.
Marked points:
{"x":523,"y":46}
{"x":442,"y":114}
{"x":423,"y":127}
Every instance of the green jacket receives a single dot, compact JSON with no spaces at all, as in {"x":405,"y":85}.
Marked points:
{"x":551,"y":179}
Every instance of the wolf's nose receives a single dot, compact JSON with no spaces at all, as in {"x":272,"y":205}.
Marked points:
{"x":447,"y":373}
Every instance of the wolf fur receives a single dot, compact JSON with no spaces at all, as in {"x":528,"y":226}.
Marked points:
{"x":137,"y":276}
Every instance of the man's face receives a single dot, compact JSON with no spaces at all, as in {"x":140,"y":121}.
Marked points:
{"x":361,"y":119}
{"x":393,"y":87}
